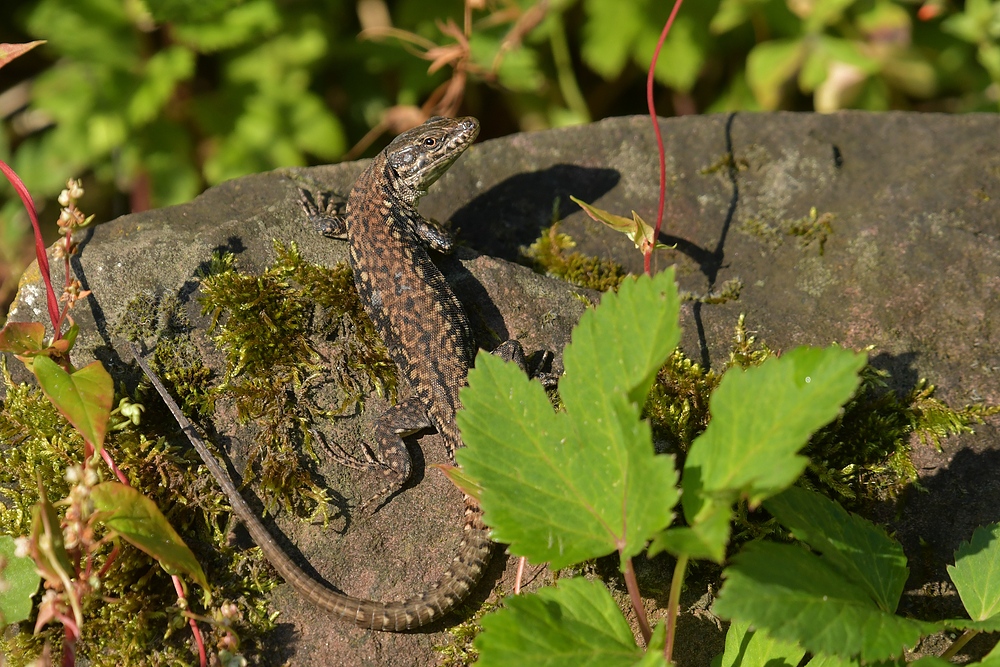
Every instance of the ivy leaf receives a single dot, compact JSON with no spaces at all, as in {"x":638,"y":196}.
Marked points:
{"x":976,"y":574}
{"x":797,"y":596}
{"x":575,"y":624}
{"x":745,"y":648}
{"x":83,"y":397}
{"x":582,"y":483}
{"x":137,"y":518}
{"x":857,"y":548}
{"x":20,"y":583}
{"x":761,"y":417}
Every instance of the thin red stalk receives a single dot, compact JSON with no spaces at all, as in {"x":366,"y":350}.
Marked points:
{"x":659,"y":139}
{"x":43,"y":260}
{"x":108,"y":562}
{"x":194,"y":626}
{"x":114,"y":468}
{"x":632,"y":584}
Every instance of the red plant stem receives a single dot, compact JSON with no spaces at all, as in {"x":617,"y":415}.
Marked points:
{"x":114,"y":468}
{"x":43,"y":260}
{"x":673,"y":607}
{"x":107,"y":564}
{"x":194,"y":626}
{"x":633,"y":593}
{"x":659,"y":139}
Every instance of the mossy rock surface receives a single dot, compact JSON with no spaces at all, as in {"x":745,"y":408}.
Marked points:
{"x":862,"y":229}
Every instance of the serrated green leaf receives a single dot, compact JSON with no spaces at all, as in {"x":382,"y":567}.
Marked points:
{"x":758,"y":649}
{"x":582,"y":483}
{"x":20,"y":581}
{"x":855,"y":547}
{"x":976,"y":573}
{"x":705,"y":539}
{"x":989,"y":625}
{"x":83,"y":397}
{"x":137,"y":518}
{"x":770,"y":65}
{"x":575,"y":624}
{"x":761,"y":417}
{"x":796,"y":596}
{"x":621,"y":344}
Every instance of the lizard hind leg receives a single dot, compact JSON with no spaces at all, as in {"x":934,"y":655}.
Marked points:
{"x":390,"y":457}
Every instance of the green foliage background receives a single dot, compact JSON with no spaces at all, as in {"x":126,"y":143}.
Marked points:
{"x":151,"y":101}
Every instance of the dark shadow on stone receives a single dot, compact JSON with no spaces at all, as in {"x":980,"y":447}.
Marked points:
{"x":710,"y":262}
{"x":511,"y":214}
{"x":967,"y":491}
{"x":903,"y":375}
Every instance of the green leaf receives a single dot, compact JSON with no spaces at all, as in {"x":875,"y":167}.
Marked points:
{"x":761,"y":417}
{"x":732,"y":13}
{"x":47,"y":542}
{"x":705,"y":539}
{"x":636,"y":229}
{"x":855,"y":547}
{"x":770,"y":65}
{"x":137,"y":518}
{"x":251,"y":21}
{"x":22,"y":337}
{"x":976,"y":573}
{"x":162,"y":72}
{"x":83,"y":397}
{"x":796,"y":596}
{"x":609,"y":31}
{"x":582,"y":483}
{"x":188,"y":11}
{"x":824,"y":13}
{"x":619,"y":346}
{"x":20,"y":581}
{"x":575,"y":624}
{"x":758,"y":649}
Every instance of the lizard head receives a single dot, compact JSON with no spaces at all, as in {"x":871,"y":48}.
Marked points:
{"x":419,"y":156}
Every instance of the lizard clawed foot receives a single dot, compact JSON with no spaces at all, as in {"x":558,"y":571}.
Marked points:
{"x":328,"y":215}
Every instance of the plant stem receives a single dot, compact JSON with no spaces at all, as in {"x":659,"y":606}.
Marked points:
{"x":633,"y":593}
{"x":564,"y":70}
{"x":659,"y":139}
{"x":957,"y":645}
{"x":673,"y":606}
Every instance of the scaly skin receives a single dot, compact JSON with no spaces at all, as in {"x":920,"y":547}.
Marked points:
{"x":428,"y":336}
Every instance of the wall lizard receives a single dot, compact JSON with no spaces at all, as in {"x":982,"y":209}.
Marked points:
{"x":428,"y":336}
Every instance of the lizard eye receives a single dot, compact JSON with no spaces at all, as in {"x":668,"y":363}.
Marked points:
{"x":430,"y":141}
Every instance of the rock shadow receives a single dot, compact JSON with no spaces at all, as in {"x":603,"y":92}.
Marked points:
{"x":517,"y":209}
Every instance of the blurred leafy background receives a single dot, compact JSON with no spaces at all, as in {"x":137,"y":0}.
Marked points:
{"x":152,"y":101}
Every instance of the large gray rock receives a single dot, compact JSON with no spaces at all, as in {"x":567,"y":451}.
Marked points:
{"x":911,"y":265}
